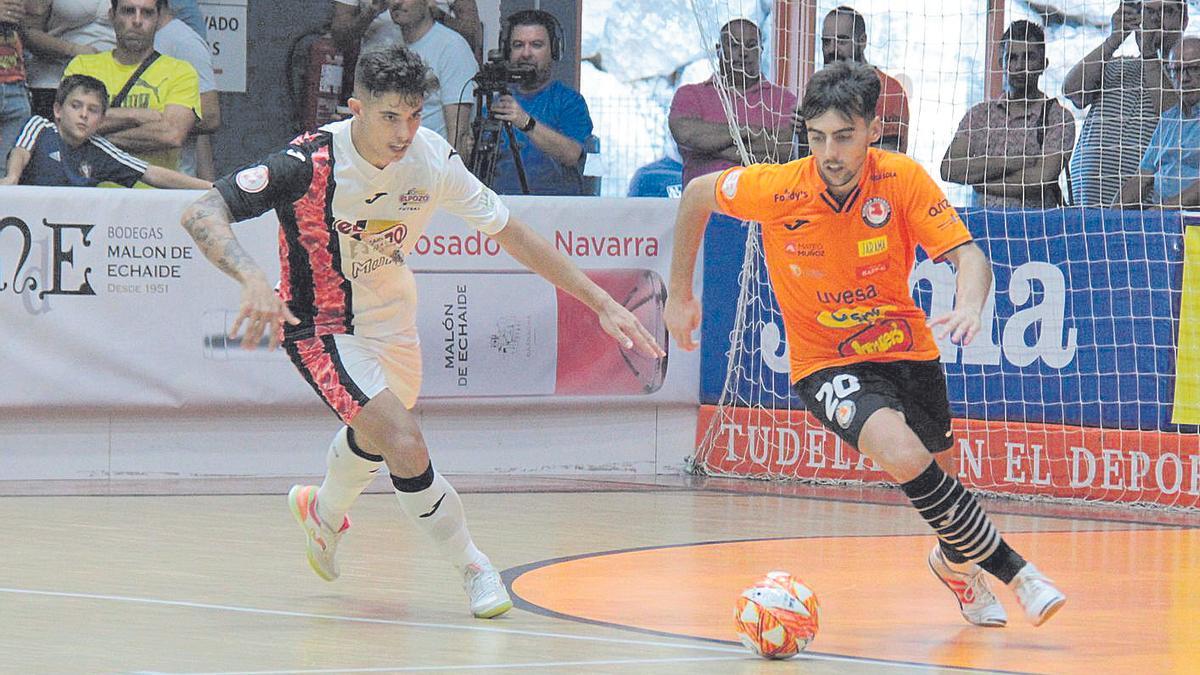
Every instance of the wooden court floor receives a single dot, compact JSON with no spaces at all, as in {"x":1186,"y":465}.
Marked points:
{"x":620,"y":575}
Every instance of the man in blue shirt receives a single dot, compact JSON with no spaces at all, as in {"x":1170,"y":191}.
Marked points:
{"x":660,"y":178}
{"x":1171,"y":165}
{"x":68,"y":153}
{"x":550,"y":119}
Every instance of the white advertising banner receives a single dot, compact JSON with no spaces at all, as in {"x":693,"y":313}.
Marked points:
{"x":225,"y":23}
{"x":105,"y":303}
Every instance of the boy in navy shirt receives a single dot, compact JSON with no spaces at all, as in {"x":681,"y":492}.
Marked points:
{"x":67,"y":152}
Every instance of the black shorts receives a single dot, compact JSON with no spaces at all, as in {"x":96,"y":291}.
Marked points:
{"x":844,"y":397}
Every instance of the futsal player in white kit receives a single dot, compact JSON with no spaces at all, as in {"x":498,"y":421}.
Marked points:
{"x":352,"y":198}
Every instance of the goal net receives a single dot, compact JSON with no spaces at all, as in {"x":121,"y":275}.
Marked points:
{"x":1085,"y":382}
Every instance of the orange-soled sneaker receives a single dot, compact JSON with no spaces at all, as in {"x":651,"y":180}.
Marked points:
{"x":322,"y":540}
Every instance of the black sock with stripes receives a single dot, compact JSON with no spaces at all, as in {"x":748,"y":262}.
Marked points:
{"x":961,"y":526}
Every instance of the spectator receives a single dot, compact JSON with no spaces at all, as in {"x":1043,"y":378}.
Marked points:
{"x":1171,"y":165}
{"x":188,"y":11}
{"x":14,"y":96}
{"x":1011,"y":150}
{"x":550,"y":120}
{"x":158,"y":97}
{"x":175,"y":38}
{"x":365,"y":24}
{"x":68,"y":153}
{"x":762,"y":110}
{"x":410,"y":22}
{"x":844,"y":38}
{"x":55,"y":32}
{"x":662,"y":177}
{"x":462,"y":17}
{"x":1126,"y":97}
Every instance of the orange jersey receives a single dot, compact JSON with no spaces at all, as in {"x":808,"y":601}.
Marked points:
{"x":840,"y":271}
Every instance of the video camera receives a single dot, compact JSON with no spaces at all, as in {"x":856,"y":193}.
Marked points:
{"x":497,"y":73}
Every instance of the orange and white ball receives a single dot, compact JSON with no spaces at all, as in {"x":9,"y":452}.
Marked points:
{"x":776,"y":618}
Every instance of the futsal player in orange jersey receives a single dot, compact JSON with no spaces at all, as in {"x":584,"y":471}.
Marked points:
{"x":840,"y":229}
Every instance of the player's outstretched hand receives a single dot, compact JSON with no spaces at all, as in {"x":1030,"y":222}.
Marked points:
{"x":682,"y":318}
{"x":960,"y":324}
{"x":627,"y":330}
{"x":262,"y":310}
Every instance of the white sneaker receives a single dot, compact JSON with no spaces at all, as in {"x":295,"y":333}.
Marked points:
{"x":975,"y":600}
{"x":1038,"y":597}
{"x":486,"y":590}
{"x":322,"y":540}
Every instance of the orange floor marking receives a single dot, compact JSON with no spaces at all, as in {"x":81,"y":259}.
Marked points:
{"x":1133,"y":598}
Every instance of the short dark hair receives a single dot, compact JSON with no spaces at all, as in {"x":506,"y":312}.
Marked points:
{"x":860,"y":24}
{"x":158,"y":5}
{"x":395,"y":70}
{"x":1023,"y":31}
{"x":85,"y":82}
{"x":533,"y":17}
{"x":727,"y":29}
{"x":848,"y":87}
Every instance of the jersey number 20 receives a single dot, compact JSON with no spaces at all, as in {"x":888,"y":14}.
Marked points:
{"x":832,"y":392}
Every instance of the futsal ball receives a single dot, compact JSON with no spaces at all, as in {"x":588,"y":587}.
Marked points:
{"x":777,"y":616}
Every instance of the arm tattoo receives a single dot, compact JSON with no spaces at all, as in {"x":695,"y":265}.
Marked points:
{"x":209,"y":222}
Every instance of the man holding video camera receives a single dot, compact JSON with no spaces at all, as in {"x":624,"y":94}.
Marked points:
{"x":550,"y":120}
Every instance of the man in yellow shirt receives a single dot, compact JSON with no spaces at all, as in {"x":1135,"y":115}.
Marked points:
{"x":156,"y":98}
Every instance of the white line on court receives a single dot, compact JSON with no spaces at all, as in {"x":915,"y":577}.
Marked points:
{"x":735,"y":652}
{"x":481,"y":666}
{"x":390,"y":622}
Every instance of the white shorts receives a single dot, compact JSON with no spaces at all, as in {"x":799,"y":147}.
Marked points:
{"x":346,"y":371}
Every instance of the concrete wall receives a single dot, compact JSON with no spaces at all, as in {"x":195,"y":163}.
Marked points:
{"x":262,"y":119}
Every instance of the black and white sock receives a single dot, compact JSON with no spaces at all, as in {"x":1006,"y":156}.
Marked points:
{"x":961,"y":526}
{"x":435,"y":508}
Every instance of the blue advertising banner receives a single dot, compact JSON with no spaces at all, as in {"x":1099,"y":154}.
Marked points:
{"x":1080,"y":328}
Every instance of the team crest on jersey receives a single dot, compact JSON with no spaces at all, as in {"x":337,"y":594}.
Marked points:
{"x":729,"y":185}
{"x":253,"y":180}
{"x":85,"y":169}
{"x":876,"y":212}
{"x":845,"y":413}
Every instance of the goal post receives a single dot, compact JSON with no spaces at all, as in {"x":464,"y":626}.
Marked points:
{"x":1083,"y":384}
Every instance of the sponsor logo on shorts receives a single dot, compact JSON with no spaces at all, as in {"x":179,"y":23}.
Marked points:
{"x":876,"y":212}
{"x":849,"y":317}
{"x":253,"y":180}
{"x":872,"y":246}
{"x":730,"y":183}
{"x":868,"y":271}
{"x":889,"y":335}
{"x":844,"y":414}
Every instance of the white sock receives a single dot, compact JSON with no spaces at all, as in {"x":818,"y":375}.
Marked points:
{"x":348,"y":474}
{"x":433,"y":505}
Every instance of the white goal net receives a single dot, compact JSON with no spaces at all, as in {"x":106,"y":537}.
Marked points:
{"x":1085,"y":383}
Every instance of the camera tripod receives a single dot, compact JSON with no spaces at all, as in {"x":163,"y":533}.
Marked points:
{"x":486,"y":130}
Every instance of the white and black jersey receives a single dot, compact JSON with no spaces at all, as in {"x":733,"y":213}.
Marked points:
{"x":346,"y":226}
